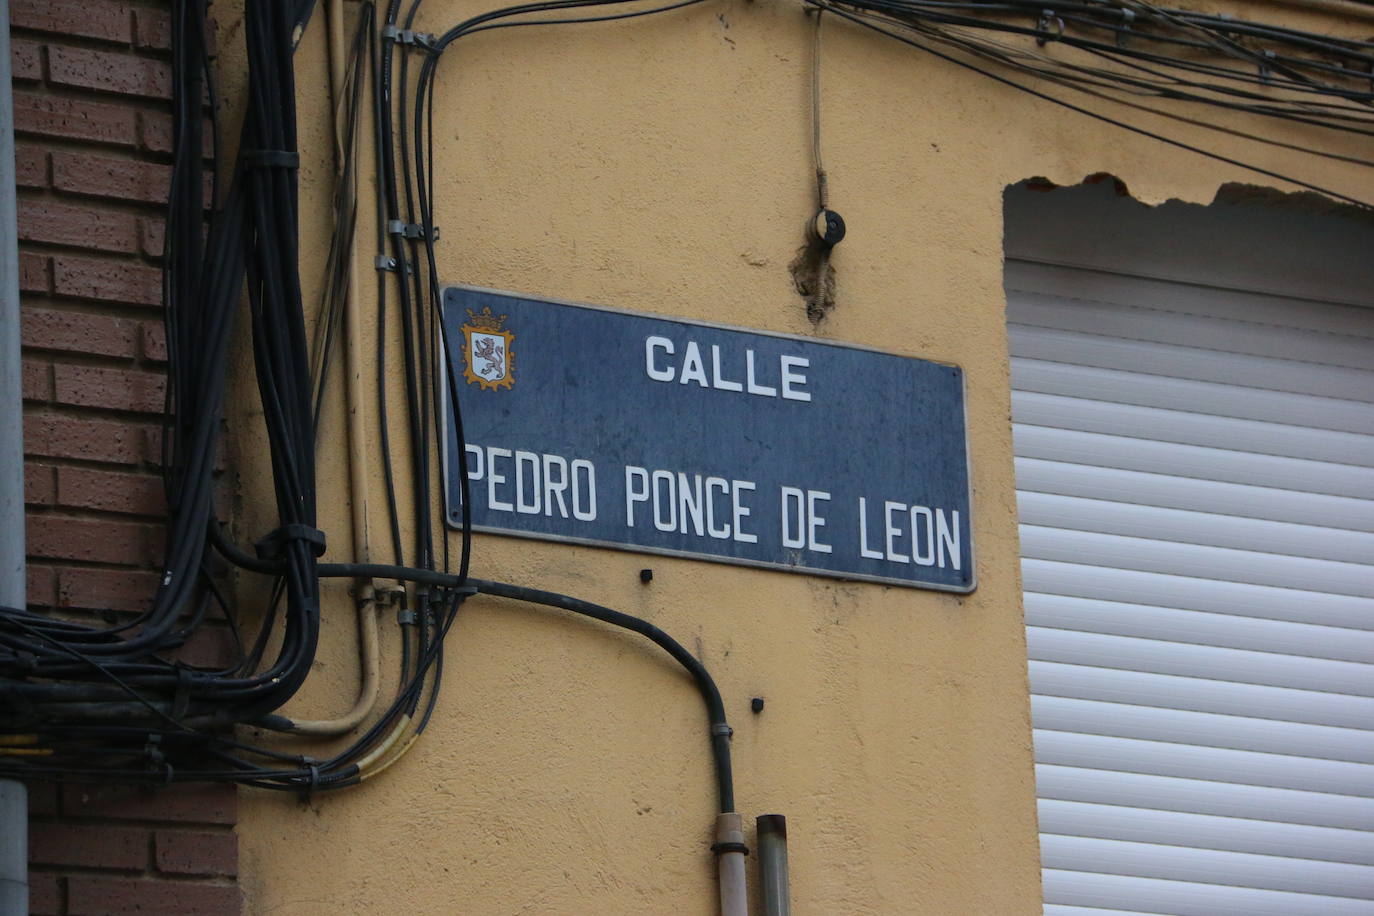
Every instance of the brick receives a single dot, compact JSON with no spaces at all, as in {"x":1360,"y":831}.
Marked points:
{"x":190,"y":803}
{"x":109,"y":389}
{"x":109,"y":491}
{"x":152,"y":29}
{"x":87,"y":540}
{"x":37,"y":380}
{"x":155,"y":133}
{"x":109,"y":71}
{"x":106,"y":589}
{"x":150,"y":233}
{"x":153,"y":337}
{"x":99,"y":896}
{"x":40,"y":484}
{"x":77,"y":332}
{"x":88,"y":18}
{"x":45,"y":894}
{"x":30,"y":166}
{"x":74,"y":119}
{"x":107,"y":280}
{"x":91,"y":846}
{"x":185,"y":852}
{"x":41,"y":585}
{"x":35,"y":275}
{"x":50,"y":435}
{"x":26,"y":60}
{"x":101,"y":176}
{"x":78,"y":227}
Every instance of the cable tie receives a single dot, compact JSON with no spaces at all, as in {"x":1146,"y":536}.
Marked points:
{"x":719,"y":848}
{"x":314,"y":782}
{"x":423,"y":40}
{"x":412,"y":230}
{"x":271,"y":159}
{"x":271,"y":546}
{"x":181,"y":699}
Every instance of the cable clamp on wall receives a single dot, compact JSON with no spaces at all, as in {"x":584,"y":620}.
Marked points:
{"x":412,"y":230}
{"x":721,"y":730}
{"x":383,"y":262}
{"x":271,"y":159}
{"x":1123,"y":35}
{"x":719,"y":848}
{"x":423,"y":40}
{"x":1050,"y":27}
{"x":272,"y":545}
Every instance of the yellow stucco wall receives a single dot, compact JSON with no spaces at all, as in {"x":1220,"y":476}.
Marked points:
{"x":663,"y":165}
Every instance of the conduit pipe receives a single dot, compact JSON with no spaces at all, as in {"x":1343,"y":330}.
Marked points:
{"x":772,"y":841}
{"x":730,"y":849}
{"x":14,"y":813}
{"x":365,"y":592}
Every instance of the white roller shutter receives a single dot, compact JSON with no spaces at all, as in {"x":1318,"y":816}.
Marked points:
{"x":1195,"y":469}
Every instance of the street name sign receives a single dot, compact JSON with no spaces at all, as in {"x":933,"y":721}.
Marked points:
{"x":670,"y":436}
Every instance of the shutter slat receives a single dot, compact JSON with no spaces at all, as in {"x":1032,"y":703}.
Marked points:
{"x":1191,"y":428}
{"x":1035,"y":475}
{"x":1160,"y":758}
{"x":1224,"y":334}
{"x":1046,"y":510}
{"x":1191,"y":461}
{"x":1185,"y":898}
{"x":1168,"y":793}
{"x":1198,"y":627}
{"x":1205,"y":831}
{"x":1242,"y":733}
{"x":1188,"y":593}
{"x":1211,"y":662}
{"x":1241,"y":566}
{"x":1265,"y":373}
{"x":1226,"y":698}
{"x":1175,"y":863}
{"x":1238,"y":402}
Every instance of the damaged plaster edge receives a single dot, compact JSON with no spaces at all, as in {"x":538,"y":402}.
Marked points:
{"x":1304,"y":239}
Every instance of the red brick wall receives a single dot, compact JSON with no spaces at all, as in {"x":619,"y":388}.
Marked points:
{"x":93,"y":134}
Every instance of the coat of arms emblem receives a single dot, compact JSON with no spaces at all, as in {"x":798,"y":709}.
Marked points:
{"x":487,"y":351}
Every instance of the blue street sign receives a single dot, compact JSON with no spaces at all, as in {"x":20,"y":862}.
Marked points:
{"x":668,"y":436}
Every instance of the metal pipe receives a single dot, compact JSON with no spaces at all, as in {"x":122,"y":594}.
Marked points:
{"x":730,"y":849}
{"x":14,"y":815}
{"x":772,"y":840}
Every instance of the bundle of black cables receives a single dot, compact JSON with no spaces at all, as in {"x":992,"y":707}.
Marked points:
{"x":78,"y":698}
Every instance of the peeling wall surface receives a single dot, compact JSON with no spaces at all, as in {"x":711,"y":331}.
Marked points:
{"x":664,"y":165}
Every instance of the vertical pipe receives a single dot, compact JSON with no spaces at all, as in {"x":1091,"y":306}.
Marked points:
{"x":14,"y":815}
{"x":772,"y":830}
{"x":730,"y":849}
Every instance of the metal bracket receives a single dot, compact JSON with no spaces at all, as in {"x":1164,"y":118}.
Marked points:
{"x":1266,"y":64}
{"x":1124,"y":35}
{"x":384,"y":262}
{"x":1048,"y":18}
{"x":412,"y":231}
{"x":424,"y":40}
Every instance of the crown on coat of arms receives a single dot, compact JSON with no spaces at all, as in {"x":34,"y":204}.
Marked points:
{"x":486,"y":321}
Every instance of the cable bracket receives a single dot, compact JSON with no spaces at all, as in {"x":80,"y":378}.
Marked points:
{"x":384,"y":262}
{"x":1123,"y":36}
{"x":415,"y":231}
{"x":422,"y":40}
{"x":1049,"y":20}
